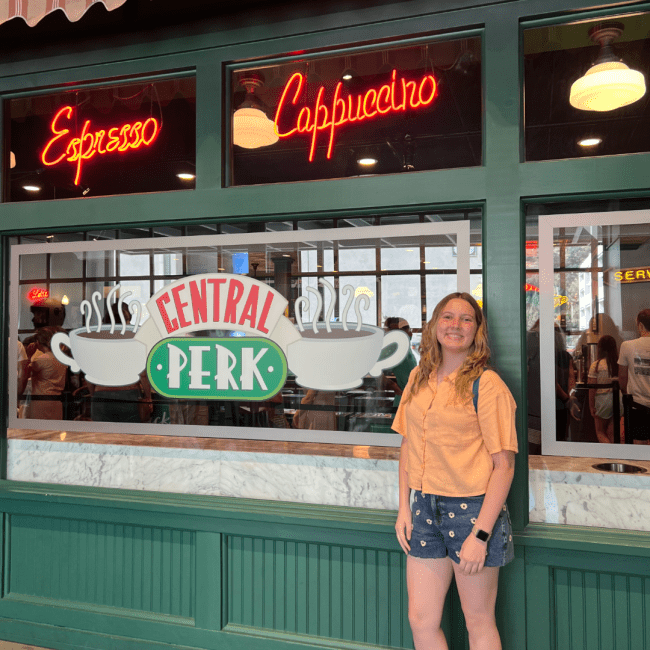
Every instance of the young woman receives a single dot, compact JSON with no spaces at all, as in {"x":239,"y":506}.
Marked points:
{"x":601,"y":403}
{"x":458,"y":460}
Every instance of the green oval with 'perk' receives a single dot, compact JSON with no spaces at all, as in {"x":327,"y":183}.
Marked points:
{"x":217,"y":368}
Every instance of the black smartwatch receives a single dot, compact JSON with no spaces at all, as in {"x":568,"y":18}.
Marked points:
{"x":481,"y":535}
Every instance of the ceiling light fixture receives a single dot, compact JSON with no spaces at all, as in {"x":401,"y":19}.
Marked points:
{"x":251,"y":126}
{"x":32,"y":188}
{"x":589,"y":142}
{"x":367,"y":162}
{"x":349,"y":73}
{"x":609,"y":83}
{"x":185,"y":176}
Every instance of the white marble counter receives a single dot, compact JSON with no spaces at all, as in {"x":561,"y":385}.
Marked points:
{"x":570,"y":491}
{"x":326,"y":480}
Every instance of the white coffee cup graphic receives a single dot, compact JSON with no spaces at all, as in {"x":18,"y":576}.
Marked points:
{"x":341,"y":358}
{"x":106,"y":359}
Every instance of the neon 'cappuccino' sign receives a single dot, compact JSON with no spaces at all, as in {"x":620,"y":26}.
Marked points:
{"x":397,"y":96}
{"x":61,"y":147}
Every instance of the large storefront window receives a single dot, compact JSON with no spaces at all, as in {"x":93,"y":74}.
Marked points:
{"x":380,"y":111}
{"x":588,"y":360}
{"x":274,"y":331}
{"x":580,"y":315}
{"x":97,"y":141}
{"x":585,"y":88}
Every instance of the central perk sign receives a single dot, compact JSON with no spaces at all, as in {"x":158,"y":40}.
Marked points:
{"x":398,"y":96}
{"x":182,"y":362}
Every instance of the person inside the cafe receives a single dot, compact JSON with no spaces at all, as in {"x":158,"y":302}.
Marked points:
{"x":457,"y":463}
{"x":48,"y":376}
{"x":601,"y":400}
{"x":402,"y":370}
{"x":634,"y":374}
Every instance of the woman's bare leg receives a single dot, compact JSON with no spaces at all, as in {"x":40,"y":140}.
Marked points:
{"x":428,"y":582}
{"x":478,"y":595}
{"x":604,"y":430}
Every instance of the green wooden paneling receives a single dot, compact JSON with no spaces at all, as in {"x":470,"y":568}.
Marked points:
{"x":600,"y":611}
{"x":106,"y":565}
{"x":587,"y":601}
{"x":318,"y":590}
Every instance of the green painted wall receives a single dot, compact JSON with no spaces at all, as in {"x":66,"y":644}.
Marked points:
{"x":103,"y":569}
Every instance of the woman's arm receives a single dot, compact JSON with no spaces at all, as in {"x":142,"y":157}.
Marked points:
{"x":404,"y":523}
{"x":472,"y":553}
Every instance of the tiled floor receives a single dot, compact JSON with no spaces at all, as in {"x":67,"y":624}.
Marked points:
{"x":7,"y":645}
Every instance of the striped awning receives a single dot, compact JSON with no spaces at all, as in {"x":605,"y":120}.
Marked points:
{"x":31,"y":11}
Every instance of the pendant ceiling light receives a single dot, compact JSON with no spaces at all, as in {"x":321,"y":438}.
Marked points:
{"x":251,"y":126}
{"x":609,"y":83}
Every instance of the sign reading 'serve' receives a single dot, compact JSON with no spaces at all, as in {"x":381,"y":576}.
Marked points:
{"x":217,"y":368}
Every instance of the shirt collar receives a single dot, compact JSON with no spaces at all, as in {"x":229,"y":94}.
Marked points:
{"x":451,"y":378}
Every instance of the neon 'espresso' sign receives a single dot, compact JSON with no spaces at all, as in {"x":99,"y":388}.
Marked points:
{"x":397,"y":96}
{"x":63,"y":148}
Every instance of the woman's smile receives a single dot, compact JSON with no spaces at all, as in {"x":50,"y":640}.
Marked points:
{"x":456,"y":326}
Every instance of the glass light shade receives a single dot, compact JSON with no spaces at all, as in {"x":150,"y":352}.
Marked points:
{"x":607,"y":86}
{"x":251,"y":129}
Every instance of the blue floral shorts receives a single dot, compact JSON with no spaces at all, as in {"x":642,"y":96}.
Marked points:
{"x":441,"y":525}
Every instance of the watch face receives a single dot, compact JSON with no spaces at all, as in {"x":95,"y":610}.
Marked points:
{"x":482,"y":535}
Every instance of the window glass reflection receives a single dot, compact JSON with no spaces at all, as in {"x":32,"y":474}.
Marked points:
{"x":100,"y":295}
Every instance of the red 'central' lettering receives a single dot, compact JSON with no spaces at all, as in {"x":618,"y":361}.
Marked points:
{"x":397,"y":96}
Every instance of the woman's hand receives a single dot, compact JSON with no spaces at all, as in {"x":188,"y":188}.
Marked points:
{"x":403,"y":528}
{"x":472,"y":555}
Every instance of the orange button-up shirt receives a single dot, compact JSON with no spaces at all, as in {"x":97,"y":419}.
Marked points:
{"x":449,"y":444}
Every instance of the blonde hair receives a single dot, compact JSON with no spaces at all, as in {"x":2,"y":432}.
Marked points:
{"x":477,"y":358}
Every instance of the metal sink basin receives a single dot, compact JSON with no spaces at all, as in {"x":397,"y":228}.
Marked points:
{"x":619,"y":468}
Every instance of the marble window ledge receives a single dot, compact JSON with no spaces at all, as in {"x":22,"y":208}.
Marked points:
{"x":570,"y":491}
{"x":562,"y":490}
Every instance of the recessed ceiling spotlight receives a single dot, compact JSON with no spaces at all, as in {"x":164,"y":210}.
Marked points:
{"x":589,"y":142}
{"x":185,"y":176}
{"x":32,"y":188}
{"x":367,"y":162}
